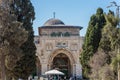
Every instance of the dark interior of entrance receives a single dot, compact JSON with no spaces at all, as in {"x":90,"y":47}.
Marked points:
{"x":62,"y":63}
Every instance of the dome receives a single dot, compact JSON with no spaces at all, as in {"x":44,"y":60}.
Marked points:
{"x":53,"y":21}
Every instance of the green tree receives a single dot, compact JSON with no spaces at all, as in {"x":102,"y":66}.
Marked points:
{"x":109,"y":33}
{"x":92,"y":39}
{"x":115,"y":62}
{"x":12,"y":36}
{"x":24,"y":11}
{"x":96,"y":62}
{"x":109,"y":40}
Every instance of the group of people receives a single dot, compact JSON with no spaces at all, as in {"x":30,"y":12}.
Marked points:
{"x":55,"y":77}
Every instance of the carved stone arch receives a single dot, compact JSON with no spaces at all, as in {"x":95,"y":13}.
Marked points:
{"x":58,"y":51}
{"x":39,"y":57}
{"x":69,"y":57}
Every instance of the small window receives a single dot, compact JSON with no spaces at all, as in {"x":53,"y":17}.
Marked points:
{"x":64,"y":43}
{"x":59,"y":34}
{"x":67,"y":34}
{"x":53,"y":34}
{"x":36,"y":42}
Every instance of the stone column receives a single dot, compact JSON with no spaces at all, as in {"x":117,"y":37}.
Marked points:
{"x":48,"y":67}
{"x":78,"y":70}
{"x":74,"y":69}
{"x":43,"y":68}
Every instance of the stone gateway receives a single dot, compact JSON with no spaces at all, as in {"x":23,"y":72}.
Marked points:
{"x":59,"y":47}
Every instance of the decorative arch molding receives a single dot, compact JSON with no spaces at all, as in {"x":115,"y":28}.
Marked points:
{"x":39,"y":59}
{"x":58,"y":51}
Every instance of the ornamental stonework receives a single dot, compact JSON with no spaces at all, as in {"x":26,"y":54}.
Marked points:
{"x":58,"y":47}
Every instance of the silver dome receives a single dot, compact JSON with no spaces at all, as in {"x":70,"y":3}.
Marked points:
{"x":53,"y":21}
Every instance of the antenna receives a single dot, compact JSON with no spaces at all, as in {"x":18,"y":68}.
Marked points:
{"x":53,"y":14}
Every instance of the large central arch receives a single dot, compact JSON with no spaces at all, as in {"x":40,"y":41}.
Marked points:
{"x":62,"y":63}
{"x":60,"y":54}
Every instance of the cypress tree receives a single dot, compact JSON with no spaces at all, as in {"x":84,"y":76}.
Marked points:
{"x":92,"y":39}
{"x":109,"y":33}
{"x":12,"y":36}
{"x":107,"y":54}
{"x":24,"y":11}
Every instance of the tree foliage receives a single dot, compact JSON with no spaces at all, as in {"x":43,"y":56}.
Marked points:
{"x":24,"y":11}
{"x":12,"y":36}
{"x":100,"y":70}
{"x":92,"y":39}
{"x":108,"y":46}
{"x":96,"y":62}
{"x":110,"y":35}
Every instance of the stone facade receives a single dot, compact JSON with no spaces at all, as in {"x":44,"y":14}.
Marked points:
{"x":57,"y":40}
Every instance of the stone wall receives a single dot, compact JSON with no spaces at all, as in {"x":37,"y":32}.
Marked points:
{"x":48,"y":46}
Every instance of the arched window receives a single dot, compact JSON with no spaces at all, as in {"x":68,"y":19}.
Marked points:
{"x":59,"y":34}
{"x":67,"y":34}
{"x":53,"y":34}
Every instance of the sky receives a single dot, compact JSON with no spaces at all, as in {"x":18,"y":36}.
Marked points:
{"x":71,"y":12}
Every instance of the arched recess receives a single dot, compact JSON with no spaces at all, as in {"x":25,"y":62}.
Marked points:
{"x":65,"y":53}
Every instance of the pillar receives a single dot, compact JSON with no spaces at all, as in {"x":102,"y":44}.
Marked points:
{"x":78,"y":71}
{"x":43,"y":68}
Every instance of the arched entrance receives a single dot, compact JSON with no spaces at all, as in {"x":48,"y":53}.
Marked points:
{"x":63,"y":60}
{"x":62,"y":63}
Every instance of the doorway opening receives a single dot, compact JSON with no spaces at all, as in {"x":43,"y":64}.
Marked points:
{"x":62,"y":63}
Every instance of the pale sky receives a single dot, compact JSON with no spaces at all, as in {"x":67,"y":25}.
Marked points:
{"x":71,"y":12}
